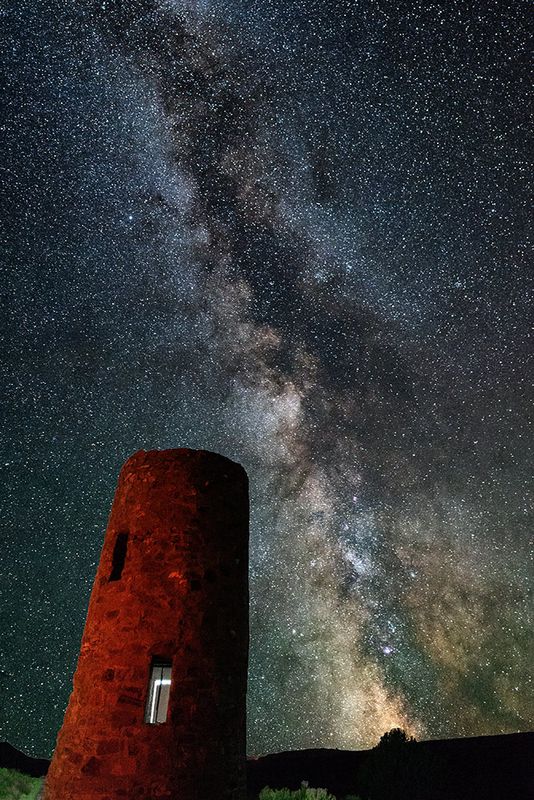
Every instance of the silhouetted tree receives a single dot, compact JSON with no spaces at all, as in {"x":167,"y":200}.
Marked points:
{"x":395,"y":739}
{"x":397,"y":769}
{"x":387,"y":773}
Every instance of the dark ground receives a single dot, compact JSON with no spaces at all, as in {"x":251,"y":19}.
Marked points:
{"x":11,"y":758}
{"x":484,"y":768}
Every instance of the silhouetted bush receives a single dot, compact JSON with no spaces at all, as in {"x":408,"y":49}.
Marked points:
{"x":16,"y":786}
{"x":304,"y":793}
{"x":397,"y":769}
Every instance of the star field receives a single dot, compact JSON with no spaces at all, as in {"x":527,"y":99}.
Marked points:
{"x":296,"y":233}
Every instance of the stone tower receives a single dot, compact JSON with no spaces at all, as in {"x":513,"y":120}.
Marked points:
{"x":158,"y":710}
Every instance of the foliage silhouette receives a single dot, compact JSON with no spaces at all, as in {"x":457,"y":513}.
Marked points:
{"x":304,"y":793}
{"x":397,"y":769}
{"x":16,"y":786}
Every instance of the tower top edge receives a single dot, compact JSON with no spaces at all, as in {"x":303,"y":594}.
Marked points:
{"x":179,"y":455}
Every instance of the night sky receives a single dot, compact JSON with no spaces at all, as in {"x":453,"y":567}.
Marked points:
{"x":295,"y":232}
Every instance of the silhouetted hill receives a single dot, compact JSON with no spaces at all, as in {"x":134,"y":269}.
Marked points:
{"x":483,"y":768}
{"x":335,"y":770}
{"x":11,"y":758}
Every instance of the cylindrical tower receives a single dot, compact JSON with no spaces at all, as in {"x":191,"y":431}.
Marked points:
{"x":158,"y":708}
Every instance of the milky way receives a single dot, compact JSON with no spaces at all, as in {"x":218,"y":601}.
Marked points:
{"x":296,"y":233}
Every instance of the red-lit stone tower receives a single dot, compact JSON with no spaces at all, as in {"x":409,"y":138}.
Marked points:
{"x":157,"y":710}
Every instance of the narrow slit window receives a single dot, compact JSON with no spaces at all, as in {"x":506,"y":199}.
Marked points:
{"x":119,"y":556}
{"x":159,"y":689}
